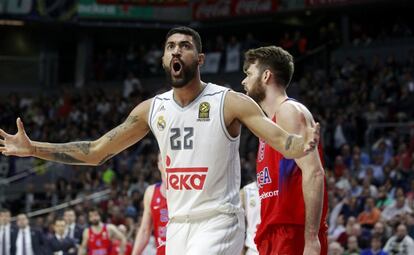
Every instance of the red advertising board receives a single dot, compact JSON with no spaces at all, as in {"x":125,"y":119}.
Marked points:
{"x":216,"y":9}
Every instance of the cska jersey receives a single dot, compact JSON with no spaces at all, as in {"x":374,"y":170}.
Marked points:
{"x":280,"y":190}
{"x":99,"y":243}
{"x":159,"y":214}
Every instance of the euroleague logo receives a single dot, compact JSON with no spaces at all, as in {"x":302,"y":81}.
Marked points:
{"x":185,"y":178}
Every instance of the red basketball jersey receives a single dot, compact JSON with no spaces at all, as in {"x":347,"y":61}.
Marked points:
{"x":159,"y":214}
{"x":280,"y":189}
{"x":99,"y":243}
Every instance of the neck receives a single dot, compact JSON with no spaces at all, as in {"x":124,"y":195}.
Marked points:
{"x":275,"y":96}
{"x":185,"y":95}
{"x":97,"y":227}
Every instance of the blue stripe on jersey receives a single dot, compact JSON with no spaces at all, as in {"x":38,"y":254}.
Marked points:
{"x":286,"y":167}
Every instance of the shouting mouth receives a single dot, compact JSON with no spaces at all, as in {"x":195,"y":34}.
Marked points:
{"x":176,"y":67}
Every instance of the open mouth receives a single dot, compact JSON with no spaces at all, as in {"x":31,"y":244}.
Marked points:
{"x":176,"y":67}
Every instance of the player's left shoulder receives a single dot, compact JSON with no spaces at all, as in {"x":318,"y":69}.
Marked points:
{"x":293,"y":110}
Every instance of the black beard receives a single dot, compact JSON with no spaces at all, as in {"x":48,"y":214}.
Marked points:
{"x":187,"y":74}
{"x":94,"y":223}
{"x":257,"y":91}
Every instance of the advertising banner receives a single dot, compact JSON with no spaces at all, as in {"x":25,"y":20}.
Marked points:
{"x":216,"y":9}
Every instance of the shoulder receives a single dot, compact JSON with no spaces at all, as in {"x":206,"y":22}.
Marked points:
{"x":149,"y":193}
{"x":293,"y":111}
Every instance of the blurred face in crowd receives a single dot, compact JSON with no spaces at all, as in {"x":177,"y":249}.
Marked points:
{"x":94,"y":218}
{"x":401,"y":231}
{"x":379,"y":228}
{"x":22,"y":221}
{"x":2,"y":222}
{"x":181,"y":59}
{"x":400,"y":202}
{"x":369,"y":204}
{"x":69,"y":217}
{"x":335,"y":249}
{"x":253,"y":84}
{"x":7,"y":217}
{"x":352,"y":243}
{"x":59,"y":227}
{"x":376,"y":244}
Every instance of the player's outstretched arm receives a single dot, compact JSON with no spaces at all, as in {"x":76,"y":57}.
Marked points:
{"x":295,"y":118}
{"x":82,"y":248}
{"x":145,"y":228}
{"x":243,"y":108}
{"x":133,"y":129}
{"x":114,"y":233}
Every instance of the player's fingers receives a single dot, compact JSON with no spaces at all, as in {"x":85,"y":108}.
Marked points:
{"x":4,"y":134}
{"x":3,"y":150}
{"x":20,"y":126}
{"x":1,"y":142}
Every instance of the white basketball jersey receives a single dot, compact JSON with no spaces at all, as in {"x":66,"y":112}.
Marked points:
{"x":201,"y":158}
{"x":252,"y":213}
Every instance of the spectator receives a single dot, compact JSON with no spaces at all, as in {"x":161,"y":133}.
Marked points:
{"x":398,"y":208}
{"x":400,"y":243}
{"x":375,"y":249}
{"x":370,"y":215}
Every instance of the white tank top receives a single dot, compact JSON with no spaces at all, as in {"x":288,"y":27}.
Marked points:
{"x":201,"y":158}
{"x":252,"y":213}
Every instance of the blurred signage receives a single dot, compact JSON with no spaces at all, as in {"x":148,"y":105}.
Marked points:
{"x":96,"y":9}
{"x":93,"y":9}
{"x":146,"y":2}
{"x":325,"y":3}
{"x":62,"y":10}
{"x":208,"y":9}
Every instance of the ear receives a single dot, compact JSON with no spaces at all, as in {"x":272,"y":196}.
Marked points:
{"x":201,"y":59}
{"x":266,"y":75}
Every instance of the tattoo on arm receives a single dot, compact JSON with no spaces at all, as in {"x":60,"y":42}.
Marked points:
{"x":288,"y":142}
{"x":65,"y":158}
{"x":83,"y":147}
{"x":114,"y":132}
{"x":111,"y":135}
{"x":105,"y":158}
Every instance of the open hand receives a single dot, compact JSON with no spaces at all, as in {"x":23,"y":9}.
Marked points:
{"x":16,"y":145}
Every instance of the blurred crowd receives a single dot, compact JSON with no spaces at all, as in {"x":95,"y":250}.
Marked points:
{"x":369,"y":166}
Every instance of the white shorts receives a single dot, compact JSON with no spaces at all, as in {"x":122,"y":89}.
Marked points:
{"x":219,"y":234}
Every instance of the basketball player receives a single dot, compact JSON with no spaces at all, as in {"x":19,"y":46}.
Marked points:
{"x":292,"y":192}
{"x":249,"y":196}
{"x":155,"y":216}
{"x":197,"y":126}
{"x":97,"y":239}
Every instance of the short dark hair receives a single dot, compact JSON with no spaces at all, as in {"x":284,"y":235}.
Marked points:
{"x":279,"y":61}
{"x":59,"y":219}
{"x":187,"y":31}
{"x":4,"y":210}
{"x":94,"y":209}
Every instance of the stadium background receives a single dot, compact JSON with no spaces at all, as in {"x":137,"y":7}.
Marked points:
{"x":73,"y":69}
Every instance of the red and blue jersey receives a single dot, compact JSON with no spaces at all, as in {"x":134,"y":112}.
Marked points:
{"x":99,"y":243}
{"x":280,"y":190}
{"x":159,"y":214}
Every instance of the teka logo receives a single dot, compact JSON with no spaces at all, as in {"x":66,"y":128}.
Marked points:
{"x":188,"y":178}
{"x":263,"y":177}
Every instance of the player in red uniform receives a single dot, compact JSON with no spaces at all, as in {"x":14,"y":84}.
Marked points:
{"x":154,"y":218}
{"x":97,"y":239}
{"x":292,"y":192}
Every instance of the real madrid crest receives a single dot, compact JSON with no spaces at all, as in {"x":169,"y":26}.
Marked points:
{"x":252,"y":203}
{"x":161,"y":123}
{"x":204,"y":112}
